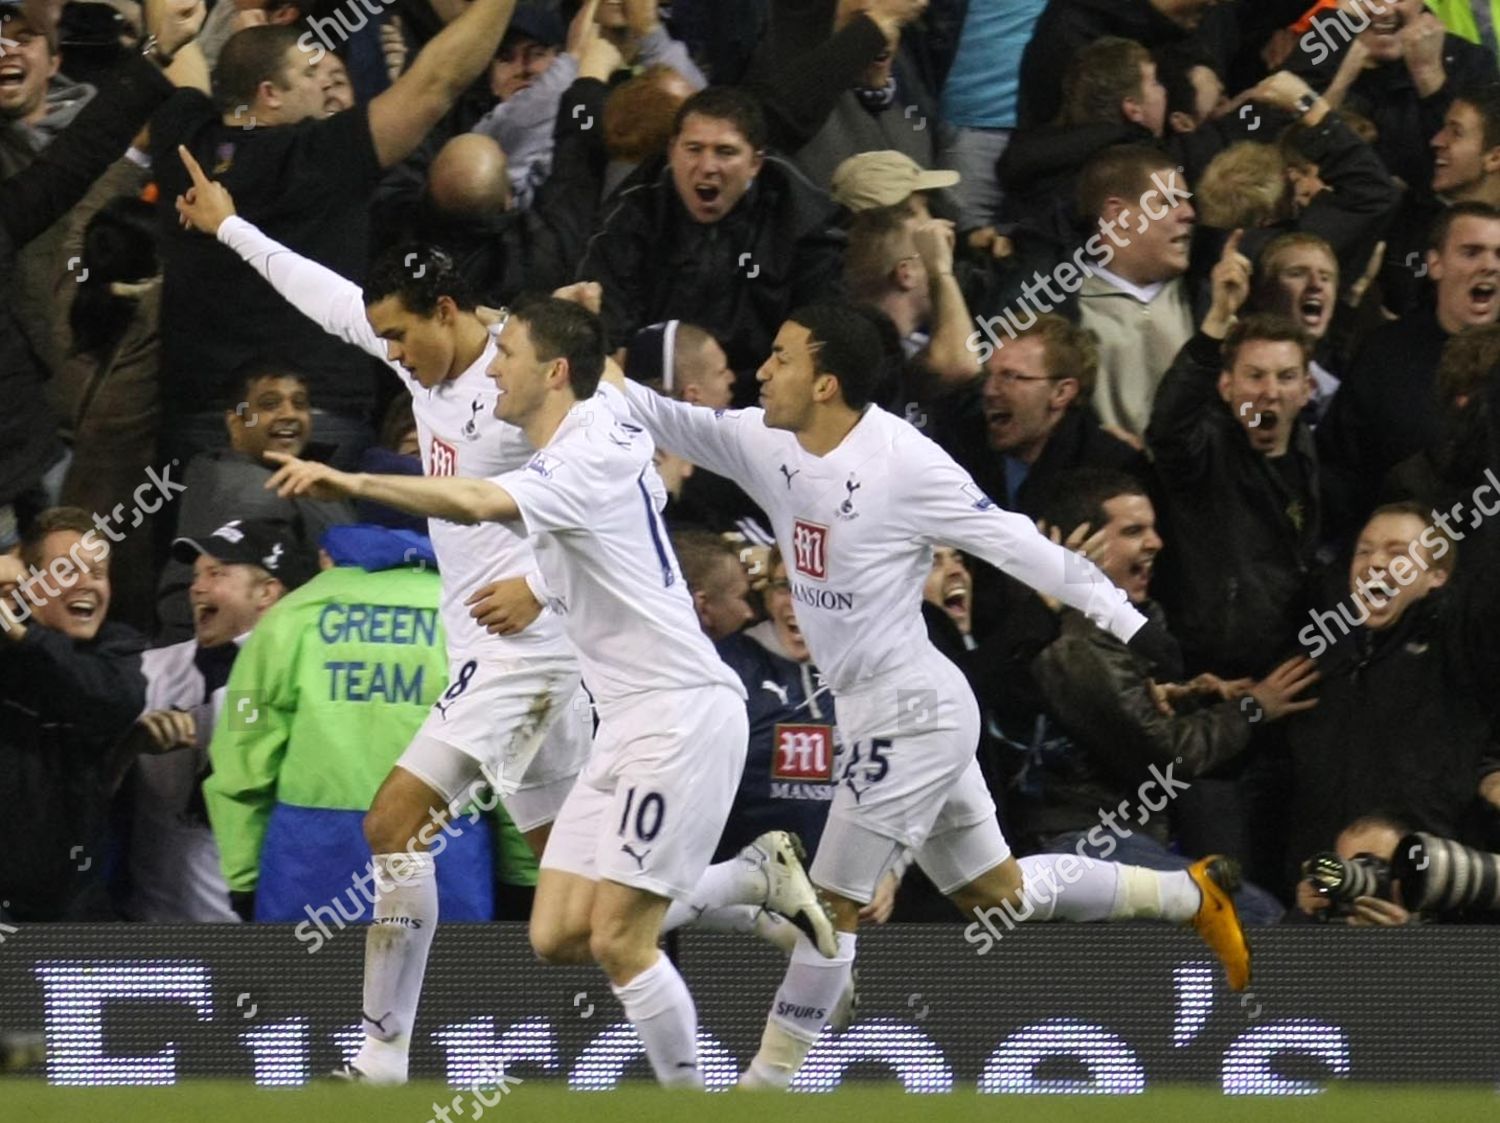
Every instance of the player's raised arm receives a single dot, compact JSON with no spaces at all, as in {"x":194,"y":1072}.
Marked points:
{"x":945,"y":505}
{"x":452,"y":498}
{"x":330,"y":300}
{"x":402,"y":116}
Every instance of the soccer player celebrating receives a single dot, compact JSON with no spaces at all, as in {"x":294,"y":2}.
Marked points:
{"x":513,"y":713}
{"x":641,"y":824}
{"x":857,"y":498}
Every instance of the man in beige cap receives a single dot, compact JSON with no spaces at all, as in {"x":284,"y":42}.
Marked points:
{"x":887,"y":179}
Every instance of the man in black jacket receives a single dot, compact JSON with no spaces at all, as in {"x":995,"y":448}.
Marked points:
{"x":30,"y":202}
{"x":723,"y":235}
{"x":1409,"y":663}
{"x":1388,"y":407}
{"x":1404,"y":68}
{"x":1090,"y":724}
{"x":71,"y":687}
{"x":1238,"y":476}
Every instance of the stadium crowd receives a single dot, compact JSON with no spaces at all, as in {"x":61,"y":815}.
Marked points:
{"x":1208,"y":289}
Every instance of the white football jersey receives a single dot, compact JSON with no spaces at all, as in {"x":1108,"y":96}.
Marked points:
{"x":460,"y":436}
{"x":857,"y":526}
{"x":591,"y":501}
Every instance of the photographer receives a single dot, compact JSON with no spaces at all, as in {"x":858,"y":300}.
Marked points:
{"x":1367,"y":845}
{"x":1381,"y":874}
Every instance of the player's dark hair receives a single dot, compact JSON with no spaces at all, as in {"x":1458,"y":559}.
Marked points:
{"x":1080,"y":496}
{"x":846,"y":345}
{"x":420,"y":276}
{"x":727,"y":103}
{"x":1437,"y":239}
{"x":560,"y":329}
{"x":250,"y":57}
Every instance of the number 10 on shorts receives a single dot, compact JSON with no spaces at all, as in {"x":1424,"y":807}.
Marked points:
{"x":649,"y":811}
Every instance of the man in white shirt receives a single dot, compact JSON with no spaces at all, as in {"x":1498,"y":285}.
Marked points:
{"x":239,"y":572}
{"x":641,"y":824}
{"x":858,"y":498}
{"x":1135,"y":297}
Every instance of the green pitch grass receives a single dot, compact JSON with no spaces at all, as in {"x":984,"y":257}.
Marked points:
{"x":222,"y":1102}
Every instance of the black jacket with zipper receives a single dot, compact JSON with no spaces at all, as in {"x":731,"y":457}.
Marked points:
{"x":1237,"y":572}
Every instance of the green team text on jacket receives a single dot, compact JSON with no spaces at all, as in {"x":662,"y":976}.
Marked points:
{"x":324,"y":697}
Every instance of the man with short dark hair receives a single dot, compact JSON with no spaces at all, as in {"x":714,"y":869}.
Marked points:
{"x":724,"y":235}
{"x":1135,"y":298}
{"x":1388,"y":408}
{"x":857,"y":499}
{"x":273,"y":413}
{"x":310,"y":181}
{"x":1237,"y":474}
{"x":70,"y":689}
{"x":1466,"y":152}
{"x":716,"y":579}
{"x":1238,"y":478}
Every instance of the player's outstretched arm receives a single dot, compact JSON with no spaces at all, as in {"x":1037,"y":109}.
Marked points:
{"x":712,"y":439}
{"x":946,"y":506}
{"x":330,"y":300}
{"x":451,"y":498}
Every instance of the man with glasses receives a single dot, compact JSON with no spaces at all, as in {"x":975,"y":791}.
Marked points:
{"x":1025,"y":419}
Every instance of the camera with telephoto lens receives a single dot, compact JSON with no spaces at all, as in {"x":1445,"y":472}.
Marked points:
{"x":1438,"y":875}
{"x":1341,"y":880}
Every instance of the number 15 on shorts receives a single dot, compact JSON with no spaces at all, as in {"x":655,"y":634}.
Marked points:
{"x":868,"y":764}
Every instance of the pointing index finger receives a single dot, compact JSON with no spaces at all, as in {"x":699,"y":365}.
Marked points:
{"x":195,"y":171}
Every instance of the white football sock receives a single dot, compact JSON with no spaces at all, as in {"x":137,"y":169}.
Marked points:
{"x":1066,"y":887}
{"x":1080,"y":890}
{"x":396,"y":946}
{"x":739,"y":881}
{"x":658,"y":1004}
{"x":807,"y":998}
